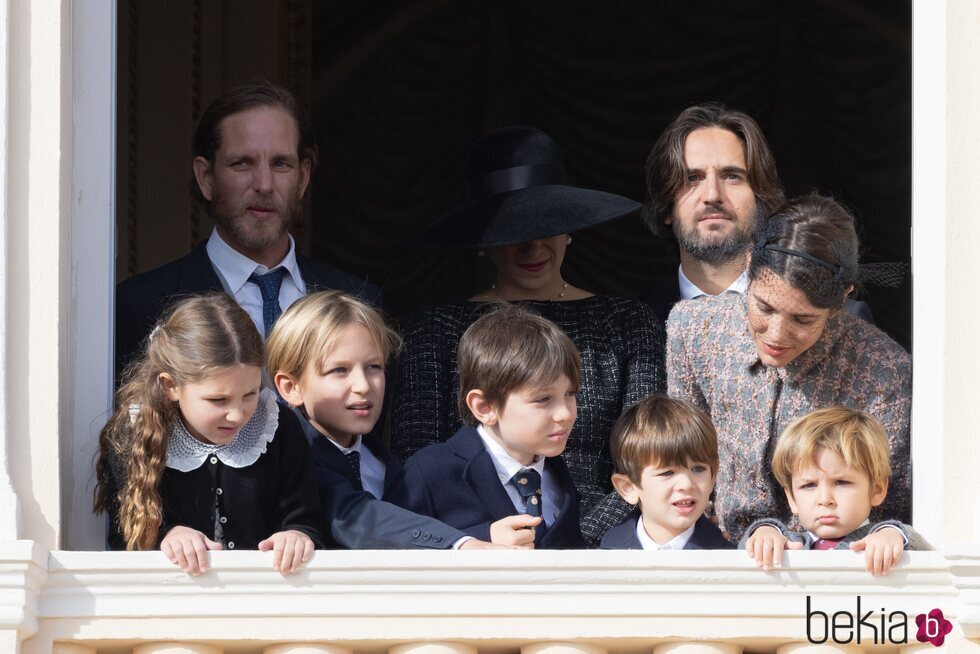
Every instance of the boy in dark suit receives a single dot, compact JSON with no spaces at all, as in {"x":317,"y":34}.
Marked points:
{"x":501,"y":476}
{"x":327,"y":354}
{"x":666,"y":457}
{"x":833,"y":465}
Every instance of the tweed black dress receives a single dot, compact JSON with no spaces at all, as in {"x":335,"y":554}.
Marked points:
{"x":622,"y":346}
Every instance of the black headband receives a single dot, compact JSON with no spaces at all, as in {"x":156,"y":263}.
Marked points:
{"x":803,"y":255}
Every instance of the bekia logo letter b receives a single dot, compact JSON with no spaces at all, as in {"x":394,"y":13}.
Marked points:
{"x":933,"y":627}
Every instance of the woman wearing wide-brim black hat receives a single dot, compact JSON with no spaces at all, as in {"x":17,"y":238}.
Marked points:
{"x":519,"y":212}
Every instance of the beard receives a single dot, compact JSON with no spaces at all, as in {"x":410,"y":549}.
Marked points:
{"x":246,"y":231}
{"x":714,"y":248}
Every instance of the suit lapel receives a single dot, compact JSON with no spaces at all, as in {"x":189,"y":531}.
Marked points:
{"x":310,"y":280}
{"x":481,"y":475}
{"x":623,"y":537}
{"x":567,"y":521}
{"x":326,"y":454}
{"x":698,"y":538}
{"x":198,"y":275}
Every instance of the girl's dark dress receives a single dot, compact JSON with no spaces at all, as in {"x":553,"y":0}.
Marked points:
{"x":238,"y":494}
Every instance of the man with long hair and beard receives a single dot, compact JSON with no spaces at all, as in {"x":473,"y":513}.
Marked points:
{"x":710,"y":178}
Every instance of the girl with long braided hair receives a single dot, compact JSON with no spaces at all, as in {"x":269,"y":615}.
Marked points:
{"x":197,"y":455}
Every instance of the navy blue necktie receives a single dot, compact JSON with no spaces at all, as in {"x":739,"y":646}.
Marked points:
{"x":528,"y":484}
{"x":269,"y":285}
{"x":354,"y":457}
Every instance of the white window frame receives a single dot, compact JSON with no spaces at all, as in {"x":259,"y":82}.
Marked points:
{"x":93,"y":238}
{"x":92,"y":251}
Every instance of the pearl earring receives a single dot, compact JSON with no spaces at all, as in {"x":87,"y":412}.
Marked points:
{"x":569,"y":241}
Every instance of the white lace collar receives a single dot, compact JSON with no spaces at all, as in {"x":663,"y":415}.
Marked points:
{"x":186,"y":453}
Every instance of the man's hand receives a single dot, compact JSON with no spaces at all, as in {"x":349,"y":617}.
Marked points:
{"x":188,"y":548}
{"x":882,"y":550}
{"x":766,"y":545}
{"x":515,"y":530}
{"x":290,"y":550}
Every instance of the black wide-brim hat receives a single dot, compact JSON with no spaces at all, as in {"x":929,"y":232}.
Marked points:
{"x":516,"y":192}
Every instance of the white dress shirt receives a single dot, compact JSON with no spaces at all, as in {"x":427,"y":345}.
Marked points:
{"x":234,"y":269}
{"x":372,"y":468}
{"x":689,"y":290}
{"x":507,"y":466}
{"x":678,"y":542}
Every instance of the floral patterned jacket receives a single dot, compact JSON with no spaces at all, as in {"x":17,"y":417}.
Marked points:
{"x":712,"y":361}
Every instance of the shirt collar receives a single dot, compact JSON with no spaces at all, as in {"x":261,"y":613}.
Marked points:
{"x":354,"y":447}
{"x":186,"y":453}
{"x":506,"y":465}
{"x":236,"y":268}
{"x":678,"y":542}
{"x":689,"y":290}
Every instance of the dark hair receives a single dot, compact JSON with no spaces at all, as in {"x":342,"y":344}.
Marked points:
{"x":508,"y":348}
{"x":666,"y":171}
{"x":255,"y":94}
{"x":662,"y":431}
{"x":823,"y":244}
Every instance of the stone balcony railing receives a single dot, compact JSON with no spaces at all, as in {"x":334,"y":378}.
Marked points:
{"x":413,"y":602}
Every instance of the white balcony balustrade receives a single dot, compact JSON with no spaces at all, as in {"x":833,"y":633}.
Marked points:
{"x":409,"y":602}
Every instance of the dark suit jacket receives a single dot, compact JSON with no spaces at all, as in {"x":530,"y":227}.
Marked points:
{"x":333,"y":459}
{"x":355,"y":519}
{"x":457,"y":482}
{"x":665,"y":296}
{"x":706,"y":536}
{"x":141,"y":299}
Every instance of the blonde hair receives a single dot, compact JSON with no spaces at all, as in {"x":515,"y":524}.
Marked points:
{"x":198,"y":337}
{"x":857,"y":437}
{"x":509,"y":348}
{"x":311,"y":327}
{"x":663,"y":431}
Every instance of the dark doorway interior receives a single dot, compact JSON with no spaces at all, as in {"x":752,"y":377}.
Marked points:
{"x":399,"y":90}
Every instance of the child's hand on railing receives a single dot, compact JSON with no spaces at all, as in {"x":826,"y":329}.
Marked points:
{"x":766,"y":545}
{"x":290,"y":550}
{"x":188,"y":548}
{"x":882,"y":550}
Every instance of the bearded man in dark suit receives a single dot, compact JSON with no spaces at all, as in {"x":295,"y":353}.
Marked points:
{"x":253,"y":157}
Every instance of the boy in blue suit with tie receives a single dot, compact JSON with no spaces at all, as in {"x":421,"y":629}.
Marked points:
{"x":327,"y":356}
{"x":501,"y":476}
{"x":666,"y":457}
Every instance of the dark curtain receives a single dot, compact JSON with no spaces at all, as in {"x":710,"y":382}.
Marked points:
{"x":401,"y":89}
